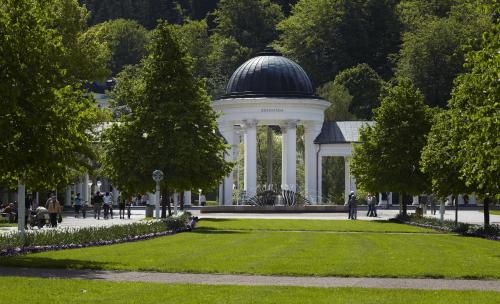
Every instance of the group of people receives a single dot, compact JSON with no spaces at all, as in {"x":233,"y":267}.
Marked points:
{"x":105,"y":201}
{"x":352,"y":203}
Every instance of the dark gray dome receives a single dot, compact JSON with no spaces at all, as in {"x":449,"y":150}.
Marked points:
{"x":269,"y":74}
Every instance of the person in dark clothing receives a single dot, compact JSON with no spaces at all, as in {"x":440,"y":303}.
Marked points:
{"x":97,"y":202}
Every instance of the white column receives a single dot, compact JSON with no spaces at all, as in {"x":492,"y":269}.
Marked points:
{"x":227,"y":130}
{"x":415,"y":200}
{"x":86,"y":193}
{"x":389,"y":199}
{"x":311,"y":131}
{"x":461,"y":199}
{"x":289,"y":155}
{"x":449,"y":202}
{"x":176,"y":202}
{"x":381,"y":202}
{"x":320,"y":178}
{"x":250,"y":138}
{"x":347,"y":180}
{"x":472,"y":200}
{"x":187,"y":198}
{"x":116,"y":194}
{"x":67,"y":198}
{"x":284,"y":156}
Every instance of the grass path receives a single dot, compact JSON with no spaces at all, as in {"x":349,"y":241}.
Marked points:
{"x":253,"y":280}
{"x":37,"y":291}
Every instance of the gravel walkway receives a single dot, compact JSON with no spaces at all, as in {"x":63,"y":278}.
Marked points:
{"x":253,"y":280}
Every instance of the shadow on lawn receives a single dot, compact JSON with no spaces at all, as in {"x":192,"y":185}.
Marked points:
{"x":217,"y":231}
{"x":44,"y":262}
{"x":215,"y":220}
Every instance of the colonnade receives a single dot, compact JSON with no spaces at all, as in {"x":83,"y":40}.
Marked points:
{"x":289,"y":157}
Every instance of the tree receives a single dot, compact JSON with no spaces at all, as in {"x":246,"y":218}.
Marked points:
{"x":226,"y":55}
{"x":389,"y":154}
{"x":126,"y":40}
{"x":171,"y":125}
{"x":252,"y":23}
{"x":432,"y":54}
{"x":341,"y":100}
{"x":326,"y":37}
{"x":147,"y":13}
{"x":439,"y":159}
{"x":46,"y":119}
{"x":364,"y":84}
{"x":194,"y":37}
{"x":475,"y":104}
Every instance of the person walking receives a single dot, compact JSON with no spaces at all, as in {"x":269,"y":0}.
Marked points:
{"x":54,"y":209}
{"x":77,"y":204}
{"x":350,"y":201}
{"x":372,"y":207}
{"x":107,"y":203}
{"x":97,"y":203}
{"x":353,"y":206}
{"x":121,"y":207}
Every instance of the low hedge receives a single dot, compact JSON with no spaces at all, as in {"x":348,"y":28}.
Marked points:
{"x":490,"y":232}
{"x":53,"y":239}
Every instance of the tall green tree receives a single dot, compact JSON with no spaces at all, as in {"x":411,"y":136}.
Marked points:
{"x":146,"y":12}
{"x":476,"y":102}
{"x":341,"y":100}
{"x":194,"y":37}
{"x":126,"y":40}
{"x":252,"y":23}
{"x":328,"y":36}
{"x":432,"y":54}
{"x":389,"y":154}
{"x":171,"y":125}
{"x":439,"y":155}
{"x":364,"y":84}
{"x":46,"y":119}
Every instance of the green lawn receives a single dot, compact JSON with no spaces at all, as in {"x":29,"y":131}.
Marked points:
{"x":57,"y":291}
{"x":289,"y":253}
{"x":8,"y":224}
{"x":495,"y":212}
{"x":308,"y":225}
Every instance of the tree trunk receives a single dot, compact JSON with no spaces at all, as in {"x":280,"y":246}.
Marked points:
{"x":164,"y":198}
{"x":402,"y":205}
{"x":486,"y":206}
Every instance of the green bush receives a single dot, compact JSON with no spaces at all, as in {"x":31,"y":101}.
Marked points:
{"x":91,"y":235}
{"x":493,"y":231}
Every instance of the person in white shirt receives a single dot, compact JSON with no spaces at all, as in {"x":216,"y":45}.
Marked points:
{"x":107,"y":203}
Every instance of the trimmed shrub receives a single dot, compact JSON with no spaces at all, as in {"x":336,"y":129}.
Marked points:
{"x":59,"y":238}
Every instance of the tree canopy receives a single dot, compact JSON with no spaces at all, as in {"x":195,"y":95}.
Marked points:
{"x":46,"y":119}
{"x":171,"y":125}
{"x":387,"y":159}
{"x":326,"y":37}
{"x":126,"y":40}
{"x":364,"y":84}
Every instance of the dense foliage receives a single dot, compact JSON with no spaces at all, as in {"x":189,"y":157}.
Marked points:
{"x":46,"y":119}
{"x":170,"y":126}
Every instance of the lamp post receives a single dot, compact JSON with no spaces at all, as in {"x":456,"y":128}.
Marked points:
{"x":99,"y":183}
{"x":157,"y":177}
{"x":199,"y":197}
{"x":88,"y":193}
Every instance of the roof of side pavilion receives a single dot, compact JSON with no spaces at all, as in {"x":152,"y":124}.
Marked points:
{"x":337,"y":132}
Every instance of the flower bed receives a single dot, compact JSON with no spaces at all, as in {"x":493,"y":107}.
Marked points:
{"x":43,"y":240}
{"x":492,"y":232}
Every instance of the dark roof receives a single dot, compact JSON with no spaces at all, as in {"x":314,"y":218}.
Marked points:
{"x":269,"y":75}
{"x":336,"y":132}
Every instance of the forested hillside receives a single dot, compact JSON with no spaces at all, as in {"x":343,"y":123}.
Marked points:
{"x":353,"y":51}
